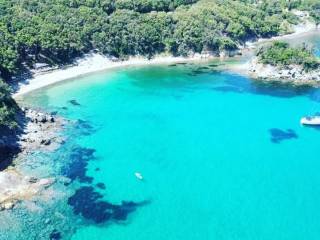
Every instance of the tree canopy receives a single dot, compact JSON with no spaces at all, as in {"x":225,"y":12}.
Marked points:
{"x":7,"y":108}
{"x":281,"y":54}
{"x":56,"y":31}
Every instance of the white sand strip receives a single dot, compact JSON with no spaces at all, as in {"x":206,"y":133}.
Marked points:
{"x":93,"y":62}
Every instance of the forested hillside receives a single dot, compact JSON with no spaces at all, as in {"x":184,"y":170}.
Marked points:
{"x":56,"y":31}
{"x":7,"y":109}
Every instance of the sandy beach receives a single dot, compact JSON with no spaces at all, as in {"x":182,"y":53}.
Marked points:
{"x":95,"y":62}
{"x":298,"y":30}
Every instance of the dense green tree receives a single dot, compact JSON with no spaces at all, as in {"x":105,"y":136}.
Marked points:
{"x":8,"y":52}
{"x":56,"y":31}
{"x":7,"y":108}
{"x":280,"y":53}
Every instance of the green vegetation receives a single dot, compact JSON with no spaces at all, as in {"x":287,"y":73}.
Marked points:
{"x":281,"y":54}
{"x":312,"y":6}
{"x":283,"y":6}
{"x":8,"y":108}
{"x":56,"y":31}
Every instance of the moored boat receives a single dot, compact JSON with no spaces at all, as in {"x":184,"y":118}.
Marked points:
{"x":312,"y":120}
{"x":138,"y":175}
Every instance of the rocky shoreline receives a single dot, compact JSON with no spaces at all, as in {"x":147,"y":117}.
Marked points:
{"x":294,"y":74}
{"x":41,"y":133}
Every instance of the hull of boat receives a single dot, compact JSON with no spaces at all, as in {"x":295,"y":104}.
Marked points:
{"x":314,"y":121}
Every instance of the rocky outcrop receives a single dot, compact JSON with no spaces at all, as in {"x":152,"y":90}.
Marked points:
{"x":40,"y":132}
{"x":291,"y":74}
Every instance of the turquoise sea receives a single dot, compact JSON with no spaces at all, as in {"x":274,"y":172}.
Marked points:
{"x":222,"y":156}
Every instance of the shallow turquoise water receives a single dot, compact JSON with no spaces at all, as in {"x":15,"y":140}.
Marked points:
{"x":222,"y":157}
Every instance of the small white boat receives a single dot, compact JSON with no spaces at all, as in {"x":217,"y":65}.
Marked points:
{"x":312,"y":120}
{"x":138,"y":175}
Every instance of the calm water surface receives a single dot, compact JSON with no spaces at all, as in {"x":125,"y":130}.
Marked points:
{"x":222,"y":157}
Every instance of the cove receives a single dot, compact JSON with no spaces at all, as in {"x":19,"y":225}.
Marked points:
{"x":223,"y":157}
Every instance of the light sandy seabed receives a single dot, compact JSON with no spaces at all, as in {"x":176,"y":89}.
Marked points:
{"x":93,"y":62}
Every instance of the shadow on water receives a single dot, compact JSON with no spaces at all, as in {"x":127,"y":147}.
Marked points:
{"x":89,"y":204}
{"x":312,"y":127}
{"x":278,"y":135}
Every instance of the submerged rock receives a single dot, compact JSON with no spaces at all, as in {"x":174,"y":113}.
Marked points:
{"x":90,"y":204}
{"x":77,"y":168}
{"x":55,"y":235}
{"x":101,"y":186}
{"x":74,"y":102}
